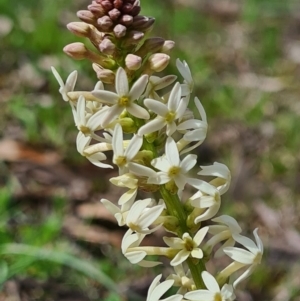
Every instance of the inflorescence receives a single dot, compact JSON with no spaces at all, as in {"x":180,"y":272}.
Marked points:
{"x":129,"y":100}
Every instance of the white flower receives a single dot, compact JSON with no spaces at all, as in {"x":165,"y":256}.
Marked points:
{"x":140,"y":217}
{"x":213,"y":292}
{"x":251,"y":257}
{"x":88,"y":125}
{"x":92,"y":106}
{"x":182,"y":279}
{"x":221,"y":171}
{"x":193,"y":129}
{"x":130,"y":249}
{"x":223,"y":232}
{"x":183,"y":68}
{"x":119,"y":213}
{"x":156,"y":83}
{"x":123,"y":156}
{"x":208,"y":197}
{"x":82,"y":143}
{"x":124,"y":98}
{"x":126,"y":180}
{"x":188,"y":246}
{"x":171,"y":168}
{"x":68,"y":86}
{"x":157,"y":290}
{"x":166,"y":113}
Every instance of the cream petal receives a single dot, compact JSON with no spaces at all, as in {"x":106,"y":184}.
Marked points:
{"x":137,"y":111}
{"x":138,"y":87}
{"x":172,"y":152}
{"x":210,"y":282}
{"x":156,"y":107}
{"x":122,"y":87}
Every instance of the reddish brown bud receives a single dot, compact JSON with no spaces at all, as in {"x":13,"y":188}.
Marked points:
{"x":105,"y":23}
{"x":86,"y":16}
{"x":107,"y":46}
{"x":118,"y":3}
{"x":135,"y":10}
{"x":126,"y":8}
{"x":107,"y":5}
{"x":114,"y":14}
{"x":119,"y":31}
{"x":96,"y":9}
{"x":126,"y":20}
{"x":142,"y":23}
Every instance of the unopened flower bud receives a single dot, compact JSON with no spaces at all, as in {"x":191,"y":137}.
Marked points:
{"x":114,"y":14}
{"x":105,"y":75}
{"x":80,"y":29}
{"x":86,"y":16}
{"x":150,"y":45}
{"x":96,"y":9}
{"x":128,"y":125}
{"x":107,"y":46}
{"x":119,"y":31}
{"x":118,"y":3}
{"x":142,"y":23}
{"x":132,"y":38}
{"x":107,"y":5}
{"x":133,"y":62}
{"x":168,"y":46}
{"x":158,"y":61}
{"x":105,"y":23}
{"x":126,"y":20}
{"x":77,"y":51}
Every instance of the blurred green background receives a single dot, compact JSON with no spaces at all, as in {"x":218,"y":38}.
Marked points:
{"x":56,"y":241}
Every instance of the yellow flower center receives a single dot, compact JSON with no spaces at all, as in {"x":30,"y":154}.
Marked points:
{"x":174,"y":171}
{"x":189,"y":244}
{"x":218,"y":297}
{"x":170,"y":116}
{"x":124,"y":101}
{"x":85,"y":130}
{"x":121,"y":161}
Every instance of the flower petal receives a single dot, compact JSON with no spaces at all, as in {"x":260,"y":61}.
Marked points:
{"x":122,"y":87}
{"x":138,"y":87}
{"x":172,"y":152}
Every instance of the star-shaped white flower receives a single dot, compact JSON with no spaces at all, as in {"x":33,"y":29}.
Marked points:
{"x":194,"y":130}
{"x":87,"y":123}
{"x":251,"y":257}
{"x":183,"y":68}
{"x":182,"y":279}
{"x":222,"y":174}
{"x":213,"y":292}
{"x":123,"y":156}
{"x":130,"y":248}
{"x":124,"y":98}
{"x":82,"y":143}
{"x":68,"y":86}
{"x":222,"y":232}
{"x":171,"y":168}
{"x":167,"y":114}
{"x":140,"y":217}
{"x":188,"y":246}
{"x":157,"y":290}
